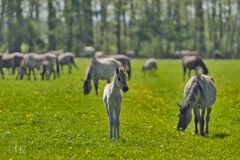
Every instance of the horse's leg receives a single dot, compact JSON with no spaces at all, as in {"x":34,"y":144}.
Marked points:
{"x":189,"y":73}
{"x":202,"y":122}
{"x":196,"y":120}
{"x":2,"y":73}
{"x":117,"y":123}
{"x":29,"y":73}
{"x":108,"y":81}
{"x":114,"y":128}
{"x":61,"y":68}
{"x":35,"y":78}
{"x":69,"y":68}
{"x":111,"y":122}
{"x":96,"y":85}
{"x":117,"y":127}
{"x":13,"y":70}
{"x":207,"y":119}
{"x":18,"y":72}
{"x":184,"y":72}
{"x":54,"y":74}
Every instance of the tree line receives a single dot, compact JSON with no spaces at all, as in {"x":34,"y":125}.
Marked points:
{"x":157,"y":28}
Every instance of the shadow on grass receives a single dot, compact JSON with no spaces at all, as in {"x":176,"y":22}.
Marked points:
{"x":220,"y":135}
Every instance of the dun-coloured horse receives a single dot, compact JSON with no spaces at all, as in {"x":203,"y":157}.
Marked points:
{"x":99,"y":68}
{"x":46,"y":70}
{"x":10,"y":61}
{"x":191,"y":62}
{"x":34,"y":61}
{"x":67,"y":59}
{"x":199,"y":92}
{"x":112,"y":98}
{"x":150,"y":65}
{"x":125,"y":60}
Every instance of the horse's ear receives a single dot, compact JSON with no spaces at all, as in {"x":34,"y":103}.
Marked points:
{"x":179,"y":105}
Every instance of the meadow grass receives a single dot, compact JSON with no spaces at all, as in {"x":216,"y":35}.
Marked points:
{"x":54,"y":120}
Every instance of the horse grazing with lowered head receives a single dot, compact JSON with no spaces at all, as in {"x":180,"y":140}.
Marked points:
{"x":46,"y":69}
{"x":191,"y":62}
{"x":125,"y":60}
{"x":10,"y":61}
{"x":112,"y":98}
{"x":34,"y":61}
{"x":67,"y":59}
{"x":150,"y":65}
{"x":199,"y":92}
{"x":99,"y":68}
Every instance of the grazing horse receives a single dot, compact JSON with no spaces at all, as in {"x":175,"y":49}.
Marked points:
{"x":99,"y":68}
{"x":192,"y":62}
{"x":67,"y":59}
{"x":45,"y":69}
{"x":125,"y":60}
{"x":112,"y":98}
{"x":34,"y":61}
{"x":199,"y":91}
{"x":12,"y":61}
{"x":150,"y":65}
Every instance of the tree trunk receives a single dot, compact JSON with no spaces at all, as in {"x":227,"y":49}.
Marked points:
{"x":238,"y":37}
{"x":3,"y":4}
{"x":69,"y":23}
{"x":118,"y":7}
{"x":103,"y":27}
{"x":88,"y":22}
{"x":51,"y":25}
{"x":200,"y":29}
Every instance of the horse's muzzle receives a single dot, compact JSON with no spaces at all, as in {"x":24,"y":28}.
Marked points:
{"x":125,"y":89}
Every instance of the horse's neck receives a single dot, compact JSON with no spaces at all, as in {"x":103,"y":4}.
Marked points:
{"x":115,"y":89}
{"x":201,"y":64}
{"x":194,"y":93}
{"x":89,"y":73}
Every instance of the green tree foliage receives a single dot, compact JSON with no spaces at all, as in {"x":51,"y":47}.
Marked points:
{"x":148,"y":27}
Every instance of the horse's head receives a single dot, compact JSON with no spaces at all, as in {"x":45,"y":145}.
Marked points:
{"x":205,"y":70}
{"x":120,"y":79}
{"x":87,"y":86}
{"x":184,"y":116}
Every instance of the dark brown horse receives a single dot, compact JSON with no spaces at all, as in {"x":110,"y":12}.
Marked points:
{"x":191,"y":62}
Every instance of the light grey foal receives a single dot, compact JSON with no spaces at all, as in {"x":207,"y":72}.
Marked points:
{"x":112,"y":97}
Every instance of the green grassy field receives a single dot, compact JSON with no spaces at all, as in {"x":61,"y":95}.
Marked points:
{"x":54,"y":120}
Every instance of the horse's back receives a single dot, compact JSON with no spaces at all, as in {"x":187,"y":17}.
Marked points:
{"x":209,"y":89}
{"x":65,"y":58}
{"x":207,"y":86}
{"x":150,"y":63}
{"x":190,"y":61}
{"x":105,"y":68}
